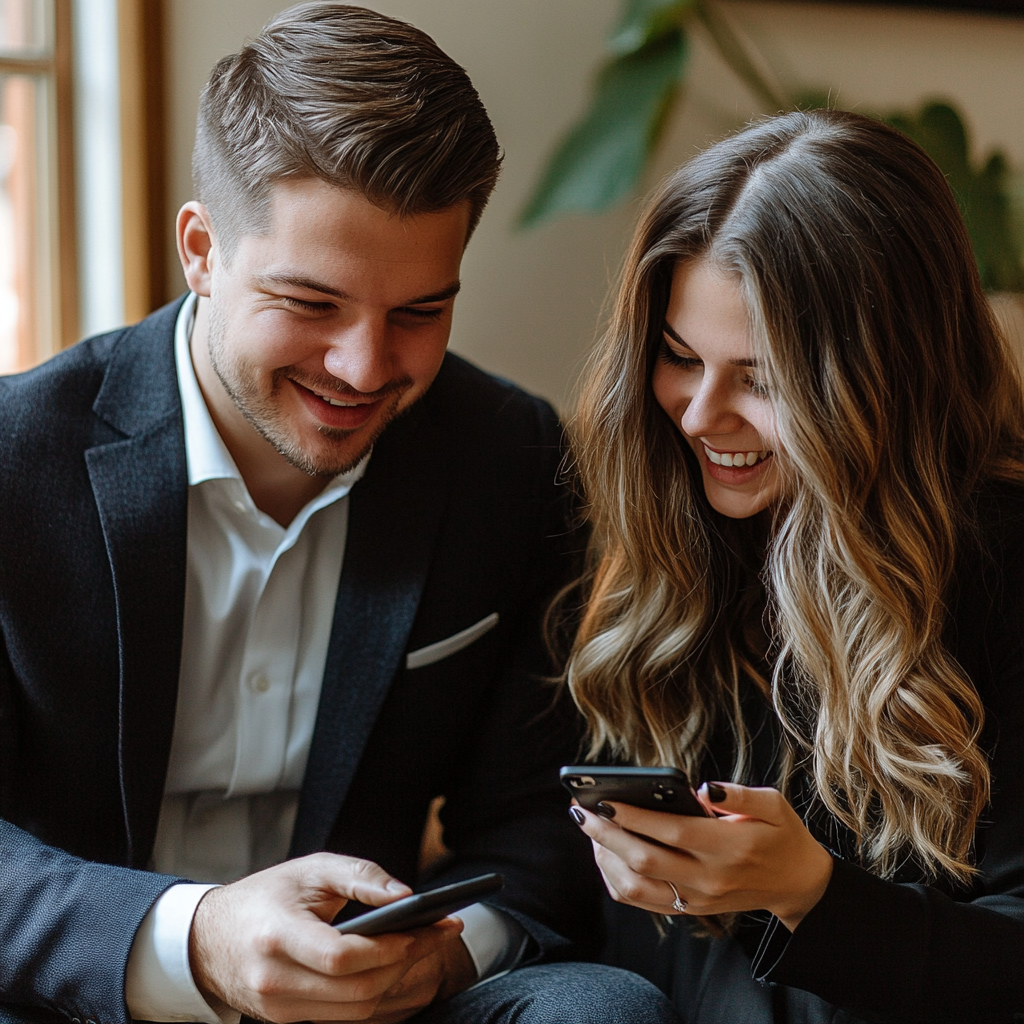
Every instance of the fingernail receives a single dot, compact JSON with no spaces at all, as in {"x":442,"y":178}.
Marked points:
{"x":605,"y":810}
{"x":577,"y":815}
{"x":716,"y":794}
{"x":396,"y":886}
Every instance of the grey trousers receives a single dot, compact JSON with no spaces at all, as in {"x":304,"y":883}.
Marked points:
{"x":569,"y":993}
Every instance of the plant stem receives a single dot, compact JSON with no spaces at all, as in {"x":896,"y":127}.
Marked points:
{"x":735,"y":55}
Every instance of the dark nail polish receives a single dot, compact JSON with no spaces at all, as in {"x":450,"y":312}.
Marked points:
{"x":577,"y":815}
{"x":715,"y":793}
{"x":605,"y":810}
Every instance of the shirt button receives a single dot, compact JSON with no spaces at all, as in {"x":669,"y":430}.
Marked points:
{"x":259,"y":684}
{"x":240,"y":505}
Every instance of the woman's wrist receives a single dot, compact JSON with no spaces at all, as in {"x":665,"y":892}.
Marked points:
{"x":820,"y":874}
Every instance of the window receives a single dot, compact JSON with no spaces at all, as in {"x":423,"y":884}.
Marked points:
{"x":38,"y":293}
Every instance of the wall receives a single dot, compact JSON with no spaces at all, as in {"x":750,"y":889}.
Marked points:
{"x":532,"y":301}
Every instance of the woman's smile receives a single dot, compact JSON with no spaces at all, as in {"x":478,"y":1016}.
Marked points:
{"x":707,"y":380}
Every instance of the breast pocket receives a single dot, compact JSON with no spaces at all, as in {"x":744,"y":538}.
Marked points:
{"x":450,"y":645}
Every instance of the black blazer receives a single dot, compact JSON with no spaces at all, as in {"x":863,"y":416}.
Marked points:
{"x":457,"y":517}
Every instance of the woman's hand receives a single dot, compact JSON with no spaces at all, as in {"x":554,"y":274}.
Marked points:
{"x":755,"y":854}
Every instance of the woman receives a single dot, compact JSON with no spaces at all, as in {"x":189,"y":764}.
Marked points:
{"x":802,"y":446}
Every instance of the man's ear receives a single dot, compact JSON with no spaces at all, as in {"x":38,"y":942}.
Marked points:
{"x":197,"y":246}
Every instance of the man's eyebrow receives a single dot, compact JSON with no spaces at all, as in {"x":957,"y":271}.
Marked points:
{"x":312,"y":285}
{"x":667,"y":328}
{"x":445,"y":293}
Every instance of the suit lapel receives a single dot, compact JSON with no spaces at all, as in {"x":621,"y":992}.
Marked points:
{"x":140,"y":484}
{"x":394,"y":515}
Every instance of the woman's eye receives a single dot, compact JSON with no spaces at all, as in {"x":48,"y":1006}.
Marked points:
{"x":758,"y":388}
{"x":673,"y":358}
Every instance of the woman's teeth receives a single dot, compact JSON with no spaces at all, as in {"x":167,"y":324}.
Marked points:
{"x":736,"y":458}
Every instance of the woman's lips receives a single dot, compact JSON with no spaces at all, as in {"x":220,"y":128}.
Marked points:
{"x":737,"y":467}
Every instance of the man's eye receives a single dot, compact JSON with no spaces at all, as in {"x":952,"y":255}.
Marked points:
{"x":420,"y":314}
{"x":308,"y":307}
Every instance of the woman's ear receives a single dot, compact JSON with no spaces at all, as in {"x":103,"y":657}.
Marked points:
{"x":197,"y":246}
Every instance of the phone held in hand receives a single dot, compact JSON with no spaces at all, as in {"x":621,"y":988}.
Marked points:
{"x":422,"y":908}
{"x":652,"y":789}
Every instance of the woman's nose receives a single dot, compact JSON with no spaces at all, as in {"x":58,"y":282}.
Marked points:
{"x":710,"y":411}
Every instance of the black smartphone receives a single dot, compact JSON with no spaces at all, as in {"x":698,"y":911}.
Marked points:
{"x":422,"y":908}
{"x":653,"y":789}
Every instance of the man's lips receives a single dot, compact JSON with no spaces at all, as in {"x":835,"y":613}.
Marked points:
{"x":351,"y":415}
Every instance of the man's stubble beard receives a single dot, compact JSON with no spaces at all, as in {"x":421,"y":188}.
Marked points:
{"x":263,"y":415}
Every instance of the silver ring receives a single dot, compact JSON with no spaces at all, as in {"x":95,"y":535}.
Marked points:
{"x":678,"y":903}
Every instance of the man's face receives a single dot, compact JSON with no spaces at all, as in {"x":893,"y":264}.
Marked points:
{"x":324,"y":329}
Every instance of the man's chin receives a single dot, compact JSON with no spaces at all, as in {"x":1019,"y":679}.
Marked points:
{"x":331,"y":455}
{"x":336,"y":450}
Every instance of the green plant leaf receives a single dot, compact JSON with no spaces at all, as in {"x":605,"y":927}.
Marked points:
{"x":603,"y":156}
{"x":644,"y":22}
{"x":984,"y":195}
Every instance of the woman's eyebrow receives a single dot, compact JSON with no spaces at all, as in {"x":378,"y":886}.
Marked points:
{"x":667,"y":328}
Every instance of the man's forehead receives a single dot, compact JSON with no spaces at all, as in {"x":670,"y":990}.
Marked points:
{"x":329,"y":214}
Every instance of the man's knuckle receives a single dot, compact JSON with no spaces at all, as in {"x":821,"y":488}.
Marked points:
{"x":266,"y":984}
{"x":267,"y":943}
{"x":333,"y":961}
{"x":364,"y":990}
{"x":362,"y":1009}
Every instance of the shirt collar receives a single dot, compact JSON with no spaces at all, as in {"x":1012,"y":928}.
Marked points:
{"x":206,"y":454}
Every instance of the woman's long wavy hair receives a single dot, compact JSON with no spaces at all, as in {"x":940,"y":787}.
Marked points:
{"x":894,"y":398}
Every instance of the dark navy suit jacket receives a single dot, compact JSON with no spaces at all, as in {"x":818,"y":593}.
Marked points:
{"x":458,"y":516}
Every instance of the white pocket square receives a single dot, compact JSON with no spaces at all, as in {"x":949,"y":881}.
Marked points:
{"x":443,"y":648}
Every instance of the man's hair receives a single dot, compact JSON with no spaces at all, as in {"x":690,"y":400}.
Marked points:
{"x":354,"y":98}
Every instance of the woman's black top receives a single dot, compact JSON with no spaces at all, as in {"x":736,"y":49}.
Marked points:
{"x":873,"y":950}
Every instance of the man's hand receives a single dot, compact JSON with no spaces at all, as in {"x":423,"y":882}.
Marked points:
{"x":440,"y":975}
{"x":264,"y":945}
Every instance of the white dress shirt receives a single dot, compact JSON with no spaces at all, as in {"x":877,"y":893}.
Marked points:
{"x":259,"y":604}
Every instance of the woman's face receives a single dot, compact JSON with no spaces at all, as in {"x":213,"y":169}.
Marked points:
{"x":706,"y":379}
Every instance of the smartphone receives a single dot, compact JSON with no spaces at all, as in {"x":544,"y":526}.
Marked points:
{"x":653,"y":789}
{"x":422,"y":908}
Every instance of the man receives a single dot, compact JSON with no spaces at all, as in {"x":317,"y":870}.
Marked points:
{"x":262,"y":593}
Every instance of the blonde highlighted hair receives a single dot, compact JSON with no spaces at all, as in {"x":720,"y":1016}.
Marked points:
{"x":894,"y":399}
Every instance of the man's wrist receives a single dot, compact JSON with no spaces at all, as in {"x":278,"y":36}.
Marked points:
{"x":158,"y":981}
{"x":459,"y":970}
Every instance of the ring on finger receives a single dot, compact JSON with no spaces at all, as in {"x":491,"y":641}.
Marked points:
{"x":678,"y":904}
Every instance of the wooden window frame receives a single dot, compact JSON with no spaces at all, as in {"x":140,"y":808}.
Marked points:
{"x":143,"y":155}
{"x":64,"y":269}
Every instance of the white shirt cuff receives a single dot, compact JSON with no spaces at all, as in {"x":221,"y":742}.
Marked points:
{"x":495,"y":942}
{"x":158,"y":983}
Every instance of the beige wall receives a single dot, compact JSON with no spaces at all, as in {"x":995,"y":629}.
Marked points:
{"x":531,"y":301}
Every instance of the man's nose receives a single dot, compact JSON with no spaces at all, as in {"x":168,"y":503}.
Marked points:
{"x":359,"y":354}
{"x":710,"y":411}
